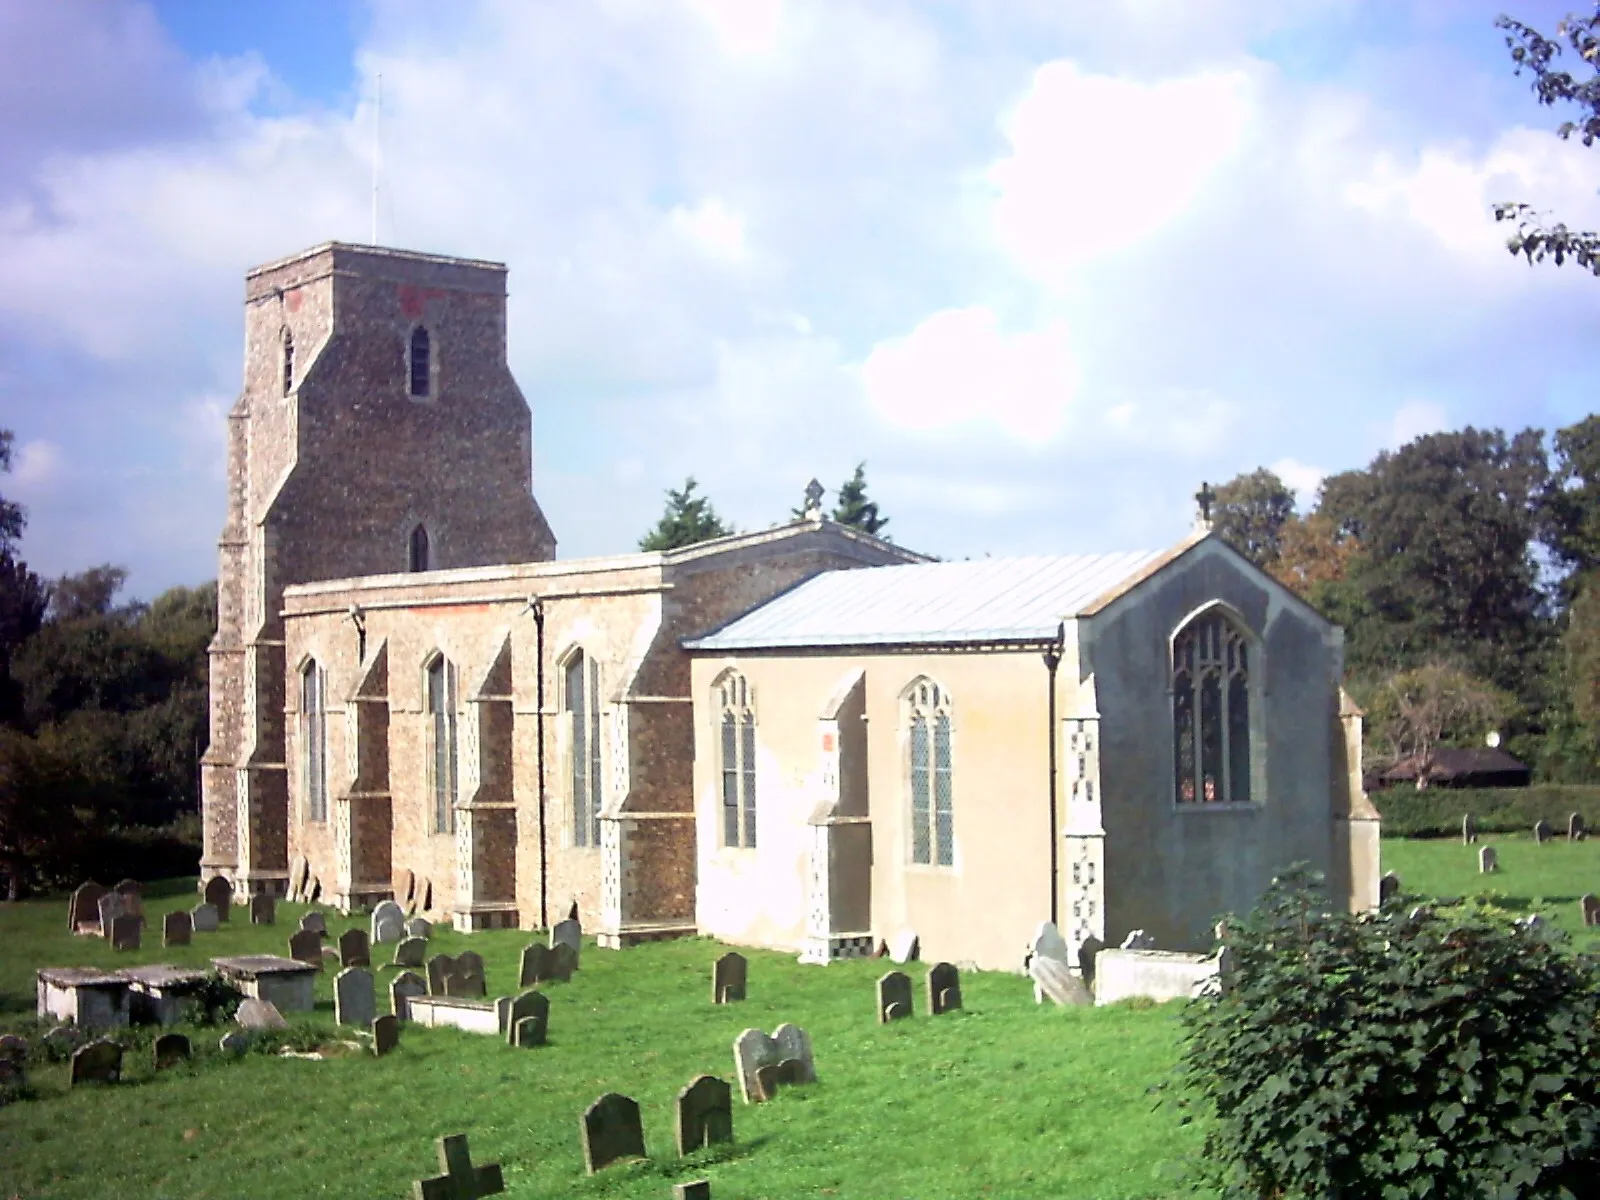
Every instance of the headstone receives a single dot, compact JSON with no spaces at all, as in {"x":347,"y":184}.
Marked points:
{"x":13,"y":1047}
{"x":410,"y":952}
{"x":13,"y":1061}
{"x":234,"y":1043}
{"x":1388,"y":887}
{"x":467,"y":980}
{"x":563,"y":962}
{"x":263,"y":910}
{"x":171,"y":1049}
{"x":354,"y":999}
{"x":904,"y":946}
{"x":1590,"y":907}
{"x":219,"y":894}
{"x":314,"y":922}
{"x":944,"y":988}
{"x":728,"y":978}
{"x":132,"y":893}
{"x":84,"y":909}
{"x":299,"y":877}
{"x":125,"y":932}
{"x":63,"y":1039}
{"x":98,"y":1062}
{"x":203,"y":918}
{"x":176,"y":929}
{"x":460,"y":1179}
{"x":419,"y":927}
{"x":401,"y":989}
{"x":306,"y":946}
{"x":259,"y":1014}
{"x":385,"y":1034}
{"x":1048,"y":943}
{"x":1469,"y":830}
{"x":692,"y":1189}
{"x":567,"y":933}
{"x":354,"y":951}
{"x":535,"y":967}
{"x":1052,"y":978}
{"x":440,"y":968}
{"x":1541,"y":831}
{"x":1488,"y":860}
{"x":1089,"y":950}
{"x":112,"y":906}
{"x":1576,"y":829}
{"x":407,"y":891}
{"x":703,"y":1115}
{"x":894,"y":997}
{"x":794,"y":1045}
{"x":528,"y":1022}
{"x":1138,"y":939}
{"x":611,"y":1131}
{"x":388,"y":923}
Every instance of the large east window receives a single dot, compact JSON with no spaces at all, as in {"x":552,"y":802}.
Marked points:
{"x":927,"y":716}
{"x":736,"y":717}
{"x":441,"y":689}
{"x":314,"y":742}
{"x":1211,"y":712}
{"x":583,"y":723}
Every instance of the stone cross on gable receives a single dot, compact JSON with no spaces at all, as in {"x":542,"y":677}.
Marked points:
{"x":461,"y":1180}
{"x":813,"y":509}
{"x":1205,"y":498}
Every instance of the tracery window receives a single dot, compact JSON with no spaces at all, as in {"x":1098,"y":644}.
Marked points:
{"x":288,"y":361}
{"x":737,"y":715}
{"x":441,"y":690}
{"x":586,"y":780}
{"x":927,"y":715}
{"x":417,"y":550}
{"x":420,"y":361}
{"x":314,"y":742}
{"x":1211,"y":712}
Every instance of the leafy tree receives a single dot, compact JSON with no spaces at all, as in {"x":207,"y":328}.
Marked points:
{"x":1570,"y":523}
{"x":23,"y":595}
{"x":12,"y":517}
{"x":1580,"y":643}
{"x":90,"y":593}
{"x":688,"y":519}
{"x":1313,"y":555}
{"x":1536,"y":53}
{"x":1411,"y":714}
{"x":1251,"y":512}
{"x":854,"y":509}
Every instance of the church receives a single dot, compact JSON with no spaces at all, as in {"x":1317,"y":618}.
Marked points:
{"x":804,"y":738}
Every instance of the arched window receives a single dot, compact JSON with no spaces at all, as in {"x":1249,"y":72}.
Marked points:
{"x":314,"y":742}
{"x":421,"y":354}
{"x":442,"y":742}
{"x":417,"y":551}
{"x":1211,"y":712}
{"x":927,"y":712}
{"x":288,"y":361}
{"x":737,"y":716}
{"x":583,"y":716}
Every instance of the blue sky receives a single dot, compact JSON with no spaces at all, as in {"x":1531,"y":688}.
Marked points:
{"x":1044,"y":266}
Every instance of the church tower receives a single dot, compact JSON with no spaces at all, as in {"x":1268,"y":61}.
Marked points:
{"x":379,"y":431}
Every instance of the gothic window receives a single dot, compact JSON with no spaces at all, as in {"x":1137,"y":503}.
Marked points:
{"x":583,"y":716}
{"x":417,"y":551}
{"x":314,"y":742}
{"x":442,"y":742}
{"x":736,"y":715}
{"x":927,"y":711}
{"x":288,"y":361}
{"x":1211,"y":712}
{"x":420,"y":362}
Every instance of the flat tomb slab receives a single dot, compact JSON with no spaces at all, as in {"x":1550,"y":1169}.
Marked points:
{"x":156,"y":993}
{"x":1158,"y":975}
{"x":86,"y":996}
{"x":474,"y":1016}
{"x":286,"y":983}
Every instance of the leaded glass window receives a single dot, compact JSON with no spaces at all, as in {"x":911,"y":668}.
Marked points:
{"x":737,"y":727}
{"x":1211,"y":712}
{"x":586,"y":781}
{"x":932,"y":790}
{"x":314,"y":742}
{"x":442,"y":742}
{"x":421,"y":362}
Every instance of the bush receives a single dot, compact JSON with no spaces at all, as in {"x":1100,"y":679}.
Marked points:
{"x":1388,"y":1055}
{"x":1437,"y":812}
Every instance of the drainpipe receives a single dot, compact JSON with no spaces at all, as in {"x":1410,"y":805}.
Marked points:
{"x":1052,"y":660}
{"x":537,"y":605}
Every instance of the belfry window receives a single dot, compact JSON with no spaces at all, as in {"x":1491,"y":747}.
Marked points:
{"x":313,"y":743}
{"x":417,"y":551}
{"x":441,"y":689}
{"x":927,"y":714}
{"x":585,"y":778}
{"x":1211,"y":712}
{"x":420,"y":362}
{"x":737,"y":722}
{"x":288,"y":361}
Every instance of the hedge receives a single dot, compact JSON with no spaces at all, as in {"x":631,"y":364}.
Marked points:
{"x":1437,"y":811}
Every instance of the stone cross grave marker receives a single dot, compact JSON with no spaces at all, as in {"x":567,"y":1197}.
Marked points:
{"x":219,"y":894}
{"x":354,"y":999}
{"x":528,"y":1021}
{"x":263,"y":910}
{"x":611,"y":1131}
{"x":944,"y":988}
{"x":385,"y":1034}
{"x":410,"y":952}
{"x":1488,"y":860}
{"x":894,"y":997}
{"x":460,"y":1179}
{"x":170,"y":1050}
{"x":1590,"y":907}
{"x":401,"y":989}
{"x":125,"y":932}
{"x":728,"y":978}
{"x":1388,"y":887}
{"x":1541,"y":831}
{"x":176,"y":929}
{"x":305,"y":946}
{"x":354,"y":950}
{"x":83,"y":913}
{"x":1576,"y":829}
{"x":1469,"y":830}
{"x":753,"y":1050}
{"x":703,"y":1115}
{"x":388,"y":923}
{"x":259,"y":1014}
{"x":112,"y":906}
{"x":98,"y":1062}
{"x":314,"y":922}
{"x":419,"y":927}
{"x":1053,"y":978}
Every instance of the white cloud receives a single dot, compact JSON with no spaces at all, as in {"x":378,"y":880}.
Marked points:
{"x":37,"y":465}
{"x":712,"y":226}
{"x":743,"y":28}
{"x":1415,"y":418}
{"x":1303,"y":479}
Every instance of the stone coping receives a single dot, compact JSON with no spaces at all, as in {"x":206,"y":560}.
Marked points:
{"x":252,"y":965}
{"x":453,"y":1002}
{"x":161,"y":975}
{"x":82,"y":977}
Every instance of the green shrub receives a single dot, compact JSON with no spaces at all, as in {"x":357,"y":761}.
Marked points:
{"x":1437,"y":812}
{"x":1452,"y":1054}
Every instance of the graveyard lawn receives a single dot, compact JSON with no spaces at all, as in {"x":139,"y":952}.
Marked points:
{"x":1000,"y":1098}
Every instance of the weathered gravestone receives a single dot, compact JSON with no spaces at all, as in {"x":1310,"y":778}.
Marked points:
{"x":1054,"y":979}
{"x":170,"y":1050}
{"x":98,"y":1062}
{"x":460,"y":1179}
{"x":528,"y":1022}
{"x":401,"y":989}
{"x":468,"y":979}
{"x":354,"y":950}
{"x":355,"y":1001}
{"x":1048,"y":943}
{"x":299,"y":877}
{"x":563,"y":962}
{"x":305,"y":946}
{"x":419,"y":927}
{"x":754,"y":1050}
{"x":13,"y":1061}
{"x":728,"y":978}
{"x":1388,"y":887}
{"x":259,"y":1014}
{"x":1541,"y":831}
{"x":703,"y":1115}
{"x":903,"y":947}
{"x":263,"y":910}
{"x":1488,"y":860}
{"x":388,"y":923}
{"x":410,"y":952}
{"x":1138,"y":939}
{"x":440,"y":967}
{"x":125,"y":932}
{"x":234,"y":1043}
{"x":1590,"y":907}
{"x":536,"y":965}
{"x":219,"y":894}
{"x":203,"y":918}
{"x":112,"y":906}
{"x":1576,"y":829}
{"x":63,"y":1039}
{"x":176,"y":929}
{"x":611,"y":1131}
{"x":1469,"y":830}
{"x":385,"y":1034}
{"x":944,"y":988}
{"x":567,"y":933}
{"x":132,"y":893}
{"x":894,"y":997}
{"x":314,"y":922}
{"x":83,"y":913}
{"x":692,"y":1189}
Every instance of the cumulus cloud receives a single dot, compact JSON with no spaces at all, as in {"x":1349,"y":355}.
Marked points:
{"x":1303,"y":480}
{"x":742,"y":27}
{"x":1415,"y":418}
{"x":711,"y":226}
{"x":36,"y":466}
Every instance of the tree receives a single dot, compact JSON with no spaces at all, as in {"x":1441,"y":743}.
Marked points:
{"x":854,"y":509}
{"x":1532,"y":50}
{"x":1250,"y":513}
{"x":1313,"y":555}
{"x":688,"y":519}
{"x":1580,"y":643}
{"x":1570,"y":512}
{"x":23,"y":595}
{"x":12,"y":516}
{"x":1411,"y":714}
{"x":90,"y":593}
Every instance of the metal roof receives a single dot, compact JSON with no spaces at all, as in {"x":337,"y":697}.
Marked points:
{"x":987,"y":600}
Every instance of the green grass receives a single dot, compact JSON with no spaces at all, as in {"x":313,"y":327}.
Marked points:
{"x":1003,"y":1099}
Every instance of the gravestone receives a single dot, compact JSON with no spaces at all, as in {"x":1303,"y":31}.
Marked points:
{"x":753,"y":1050}
{"x":299,"y":877}
{"x":388,"y":923}
{"x":460,"y":1179}
{"x":1576,"y":829}
{"x":1469,"y":830}
{"x":1388,"y":887}
{"x":1590,"y":908}
{"x":132,"y":893}
{"x":1488,"y":860}
{"x":1054,"y":979}
{"x":203,"y":918}
{"x":170,"y":1050}
{"x":259,"y":1014}
{"x":1138,"y":939}
{"x":112,"y":906}
{"x":353,"y":949}
{"x":467,"y":980}
{"x":1541,"y":831}
{"x":98,"y":1062}
{"x":401,"y":989}
{"x":528,"y":1022}
{"x":703,"y":1115}
{"x":306,"y":946}
{"x":63,"y":1039}
{"x":354,"y":999}
{"x":944,"y":988}
{"x":176,"y":929}
{"x":535,"y":967}
{"x":263,"y":910}
{"x":13,"y":1048}
{"x":125,"y":932}
{"x":1048,"y":943}
{"x":234,"y":1043}
{"x":407,"y":891}
{"x":904,"y":946}
{"x":692,"y":1189}
{"x":314,"y":922}
{"x":567,"y":933}
{"x":611,"y":1131}
{"x":563,"y":962}
{"x":894,"y":997}
{"x":385,"y":1034}
{"x":83,"y":913}
{"x":728,"y":978}
{"x":410,"y":952}
{"x":219,"y":894}
{"x":440,"y":968}
{"x":419,"y":927}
